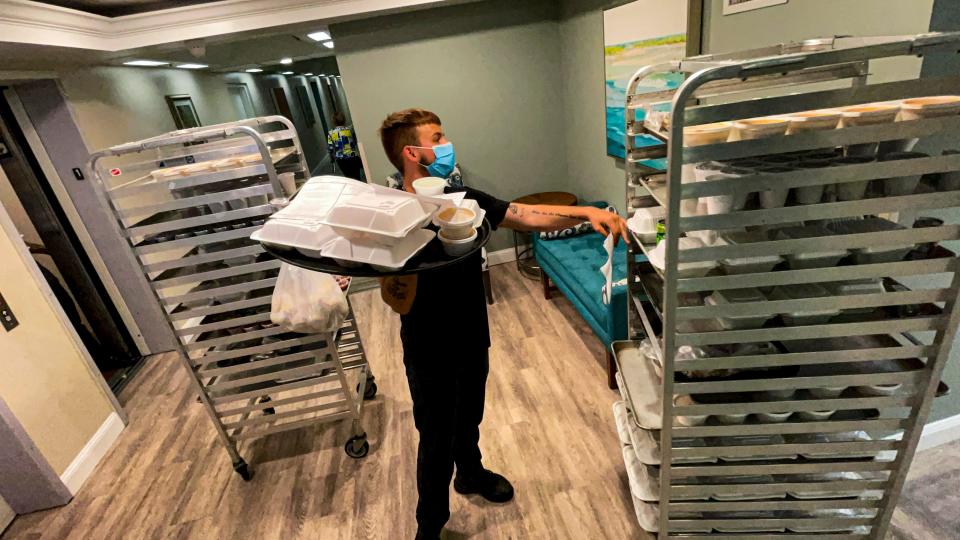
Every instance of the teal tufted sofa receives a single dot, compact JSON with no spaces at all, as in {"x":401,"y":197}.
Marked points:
{"x":573,"y":266}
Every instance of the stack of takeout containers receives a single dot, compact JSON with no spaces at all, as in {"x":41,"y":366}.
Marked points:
{"x":356,"y":223}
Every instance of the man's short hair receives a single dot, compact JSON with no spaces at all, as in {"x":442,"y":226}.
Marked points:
{"x":399,"y":130}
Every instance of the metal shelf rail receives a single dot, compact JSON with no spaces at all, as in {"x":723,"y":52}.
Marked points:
{"x":811,"y":434}
{"x":187,"y":203}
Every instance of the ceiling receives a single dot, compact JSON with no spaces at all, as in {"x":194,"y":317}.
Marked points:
{"x":234,"y":52}
{"x":117,"y":8}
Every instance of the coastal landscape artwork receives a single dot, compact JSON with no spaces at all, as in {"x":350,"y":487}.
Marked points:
{"x":638,"y":34}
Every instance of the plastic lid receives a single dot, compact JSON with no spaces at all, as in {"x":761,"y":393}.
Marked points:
{"x":800,"y":290}
{"x":810,"y":231}
{"x":806,"y":231}
{"x":744,"y":237}
{"x":658,"y":254}
{"x":737,"y":296}
{"x":858,"y":286}
{"x":643,"y":223}
{"x":866,"y":225}
{"x":741,"y":237}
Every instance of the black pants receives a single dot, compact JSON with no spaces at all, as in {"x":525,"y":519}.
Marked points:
{"x":448,"y":395}
{"x":351,"y":167}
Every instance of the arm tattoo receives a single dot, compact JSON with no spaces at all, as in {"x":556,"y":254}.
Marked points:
{"x":515,"y":210}
{"x":554,"y":214}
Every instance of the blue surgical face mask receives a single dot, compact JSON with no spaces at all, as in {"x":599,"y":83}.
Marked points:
{"x":445,"y":161}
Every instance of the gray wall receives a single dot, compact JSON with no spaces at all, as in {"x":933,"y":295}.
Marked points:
{"x":490,"y":70}
{"x":591,"y":173}
{"x":946,"y":17}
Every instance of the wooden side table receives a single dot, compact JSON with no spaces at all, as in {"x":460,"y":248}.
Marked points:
{"x":526,"y":262}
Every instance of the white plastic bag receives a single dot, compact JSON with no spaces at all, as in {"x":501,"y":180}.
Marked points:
{"x":307,"y":302}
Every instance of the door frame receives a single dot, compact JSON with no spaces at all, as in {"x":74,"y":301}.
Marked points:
{"x":10,"y":230}
{"x":78,"y":275}
{"x":73,"y":216}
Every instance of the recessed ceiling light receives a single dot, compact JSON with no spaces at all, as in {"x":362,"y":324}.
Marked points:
{"x":286,"y":61}
{"x":319,"y":36}
{"x":145,"y":63}
{"x":193,"y":66}
{"x":287,"y":73}
{"x":308,"y":74}
{"x":328,"y":44}
{"x":253,"y":70}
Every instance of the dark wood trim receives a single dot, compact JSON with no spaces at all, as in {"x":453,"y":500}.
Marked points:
{"x":170,"y":99}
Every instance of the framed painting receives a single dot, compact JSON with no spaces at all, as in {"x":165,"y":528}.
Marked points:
{"x":183,"y":111}
{"x":635,"y":35}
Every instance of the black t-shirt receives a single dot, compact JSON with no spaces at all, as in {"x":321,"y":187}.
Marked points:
{"x":450,"y":307}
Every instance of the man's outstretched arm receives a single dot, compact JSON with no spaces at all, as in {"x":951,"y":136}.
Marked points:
{"x":526,"y":217}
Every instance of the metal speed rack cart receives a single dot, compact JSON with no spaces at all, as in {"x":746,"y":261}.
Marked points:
{"x":187,"y":203}
{"x":790,"y":368}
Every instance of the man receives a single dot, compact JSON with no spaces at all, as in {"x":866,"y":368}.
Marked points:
{"x":444,"y":328}
{"x":343,"y":145}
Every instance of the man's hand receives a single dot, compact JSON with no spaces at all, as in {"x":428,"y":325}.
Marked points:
{"x":607,"y":223}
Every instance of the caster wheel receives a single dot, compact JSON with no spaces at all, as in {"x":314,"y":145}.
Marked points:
{"x":357,"y":447}
{"x":370,"y":391}
{"x":268,"y":410}
{"x":243,"y":470}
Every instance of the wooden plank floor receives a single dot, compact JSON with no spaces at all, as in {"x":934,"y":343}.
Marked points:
{"x":548,"y":427}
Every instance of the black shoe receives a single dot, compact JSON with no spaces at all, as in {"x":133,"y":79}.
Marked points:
{"x":422,"y":535}
{"x":489,"y":485}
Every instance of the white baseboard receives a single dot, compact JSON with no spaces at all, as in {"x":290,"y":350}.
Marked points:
{"x":502,"y":256}
{"x":86,"y":461}
{"x":940,"y":432}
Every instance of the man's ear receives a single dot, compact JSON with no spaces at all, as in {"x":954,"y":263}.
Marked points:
{"x":410,"y":154}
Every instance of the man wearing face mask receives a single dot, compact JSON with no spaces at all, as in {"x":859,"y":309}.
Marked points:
{"x":444,"y":327}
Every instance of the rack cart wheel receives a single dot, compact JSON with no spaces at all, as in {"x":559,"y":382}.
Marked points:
{"x":357,"y":447}
{"x":268,"y":410}
{"x":370,"y":391}
{"x":243,"y":470}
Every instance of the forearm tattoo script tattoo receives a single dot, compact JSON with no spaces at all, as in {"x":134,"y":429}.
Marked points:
{"x":517,"y":211}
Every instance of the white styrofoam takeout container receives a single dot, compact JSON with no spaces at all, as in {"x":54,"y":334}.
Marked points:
{"x":380,"y":257}
{"x":872,"y":254}
{"x":803,"y":291}
{"x":747,"y":265}
{"x":739,"y":296}
{"x":685,"y":269}
{"x":309,"y":239}
{"x":810,"y":259}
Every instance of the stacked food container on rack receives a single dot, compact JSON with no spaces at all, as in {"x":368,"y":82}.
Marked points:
{"x":773,"y":384}
{"x":187,"y":203}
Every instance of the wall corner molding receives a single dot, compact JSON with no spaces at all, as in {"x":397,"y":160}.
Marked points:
{"x":82,"y":466}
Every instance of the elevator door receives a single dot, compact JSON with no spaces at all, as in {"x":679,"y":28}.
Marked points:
{"x":75,"y":282}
